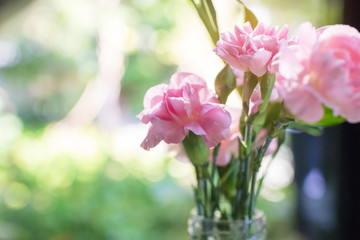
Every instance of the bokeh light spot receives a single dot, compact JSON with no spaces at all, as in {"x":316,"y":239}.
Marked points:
{"x":115,"y":171}
{"x":41,"y":201}
{"x":17,"y":195}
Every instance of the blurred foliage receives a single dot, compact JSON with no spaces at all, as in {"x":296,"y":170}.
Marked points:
{"x":154,"y":23}
{"x":57,"y":184}
{"x":42,"y":84}
{"x":56,"y":194}
{"x":142,"y":70}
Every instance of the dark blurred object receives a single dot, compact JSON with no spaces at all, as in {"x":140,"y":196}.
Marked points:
{"x":8,"y":8}
{"x":328,"y":180}
{"x":3,"y":2}
{"x":317,"y":177}
{"x":350,"y":178}
{"x":18,"y":4}
{"x":351,"y":13}
{"x":349,"y":185}
{"x":349,"y":207}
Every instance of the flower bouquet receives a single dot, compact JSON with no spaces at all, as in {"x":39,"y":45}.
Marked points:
{"x":304,"y":83}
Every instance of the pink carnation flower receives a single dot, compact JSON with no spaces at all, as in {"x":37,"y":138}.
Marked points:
{"x":251,"y":50}
{"x":321,"y":67}
{"x":186,"y":104}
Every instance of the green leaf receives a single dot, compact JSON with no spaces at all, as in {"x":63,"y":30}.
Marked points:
{"x":267,"y":118}
{"x":207,"y":14}
{"x":310,"y":129}
{"x":329,"y":119}
{"x":242,"y":123}
{"x":227,"y":179}
{"x":259,"y":122}
{"x":225,"y":83}
{"x":267,"y":82}
{"x":280,"y":140}
{"x":211,"y":12}
{"x":250,"y":82}
{"x":273,"y":114}
{"x":249,"y":16}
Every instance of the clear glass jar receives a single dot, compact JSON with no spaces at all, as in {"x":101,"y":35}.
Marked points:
{"x":200,"y":228}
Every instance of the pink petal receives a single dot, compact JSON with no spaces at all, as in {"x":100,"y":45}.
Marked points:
{"x":304,"y":105}
{"x":286,"y":63}
{"x":195,"y":127}
{"x":147,"y":114}
{"x":154,"y":95}
{"x":255,"y":100}
{"x":283,"y":32}
{"x":227,"y":148}
{"x":176,"y":107}
{"x":328,"y":32}
{"x":307,"y":35}
{"x":151,"y":140}
{"x":169,"y":131}
{"x":239,"y":76}
{"x":259,"y":61}
{"x":216,"y":123}
{"x":351,"y":111}
{"x":180,"y":79}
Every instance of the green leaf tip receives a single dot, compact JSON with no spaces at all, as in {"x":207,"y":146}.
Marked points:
{"x":249,"y":16}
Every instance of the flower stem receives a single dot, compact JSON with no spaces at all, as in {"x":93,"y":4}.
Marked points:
{"x":245,"y":188}
{"x":243,"y":176}
{"x":203,"y":206}
{"x":214,"y":193}
{"x":252,"y":193}
{"x":201,"y":175}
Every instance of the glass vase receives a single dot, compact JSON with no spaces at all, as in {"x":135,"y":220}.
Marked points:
{"x":201,"y":228}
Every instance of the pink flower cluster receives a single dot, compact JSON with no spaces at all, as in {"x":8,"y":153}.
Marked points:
{"x":251,"y":50}
{"x":186,"y":104}
{"x":316,"y":68}
{"x":321,"y":67}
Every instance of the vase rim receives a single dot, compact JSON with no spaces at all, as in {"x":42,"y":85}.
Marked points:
{"x":258,"y":216}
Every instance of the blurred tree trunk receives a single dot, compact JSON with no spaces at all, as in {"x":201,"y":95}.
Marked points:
{"x":9,"y":8}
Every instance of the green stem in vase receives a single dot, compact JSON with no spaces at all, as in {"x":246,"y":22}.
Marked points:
{"x":239,"y":180}
{"x":245,"y":188}
{"x":201,"y":177}
{"x":214,"y":192}
{"x":252,"y":193}
{"x":243,"y":176}
{"x":257,"y":163}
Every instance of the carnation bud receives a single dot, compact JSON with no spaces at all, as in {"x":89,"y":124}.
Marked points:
{"x":196,"y":149}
